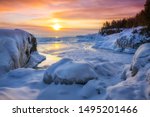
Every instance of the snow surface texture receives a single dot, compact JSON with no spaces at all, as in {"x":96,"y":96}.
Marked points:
{"x":21,"y":83}
{"x":141,"y":58}
{"x":136,"y":84}
{"x":17,"y":49}
{"x":126,"y":41}
{"x":68,"y":72}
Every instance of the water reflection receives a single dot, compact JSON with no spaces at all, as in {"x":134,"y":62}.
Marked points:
{"x":49,"y":50}
{"x":50,"y":59}
{"x":51,"y":47}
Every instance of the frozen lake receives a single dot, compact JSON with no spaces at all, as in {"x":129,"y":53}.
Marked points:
{"x":79,"y":51}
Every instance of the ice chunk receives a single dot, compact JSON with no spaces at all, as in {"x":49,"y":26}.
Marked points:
{"x":35,"y":59}
{"x":67,"y":71}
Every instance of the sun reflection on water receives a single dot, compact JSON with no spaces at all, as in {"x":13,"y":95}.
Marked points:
{"x":52,"y":47}
{"x":51,"y":51}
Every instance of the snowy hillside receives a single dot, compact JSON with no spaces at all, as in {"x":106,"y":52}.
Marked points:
{"x":82,"y":67}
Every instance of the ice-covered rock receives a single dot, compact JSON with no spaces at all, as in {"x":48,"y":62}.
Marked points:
{"x":128,"y":40}
{"x":132,"y":88}
{"x":135,"y":88}
{"x":17,"y":49}
{"x":133,"y":39}
{"x":141,"y":58}
{"x":136,"y":78}
{"x":67,"y":71}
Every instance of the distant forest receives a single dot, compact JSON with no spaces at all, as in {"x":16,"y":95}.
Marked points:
{"x":141,"y":19}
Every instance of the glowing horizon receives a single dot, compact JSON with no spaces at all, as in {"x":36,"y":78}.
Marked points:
{"x":64,"y":17}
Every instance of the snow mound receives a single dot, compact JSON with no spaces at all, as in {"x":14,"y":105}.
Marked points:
{"x":141,"y":58}
{"x":107,"y":68}
{"x":67,"y":71}
{"x":17,"y":49}
{"x":94,"y":88}
{"x":136,"y":78}
{"x":106,"y":42}
{"x":127,"y":91}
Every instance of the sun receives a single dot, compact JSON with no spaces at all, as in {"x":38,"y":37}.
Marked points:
{"x":57,"y":27}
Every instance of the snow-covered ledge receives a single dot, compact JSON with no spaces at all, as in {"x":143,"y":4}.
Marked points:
{"x":18,"y":49}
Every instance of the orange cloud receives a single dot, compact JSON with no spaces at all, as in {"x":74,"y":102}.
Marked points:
{"x":11,"y":5}
{"x":75,"y":15}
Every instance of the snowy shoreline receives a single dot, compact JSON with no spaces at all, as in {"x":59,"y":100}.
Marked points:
{"x":96,"y":69}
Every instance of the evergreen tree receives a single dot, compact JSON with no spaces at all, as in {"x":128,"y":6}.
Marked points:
{"x":141,"y":19}
{"x":147,"y":12}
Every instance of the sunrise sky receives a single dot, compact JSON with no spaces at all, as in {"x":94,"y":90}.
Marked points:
{"x":64,"y":17}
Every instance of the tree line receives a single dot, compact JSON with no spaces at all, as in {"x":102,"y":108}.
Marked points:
{"x":141,"y":19}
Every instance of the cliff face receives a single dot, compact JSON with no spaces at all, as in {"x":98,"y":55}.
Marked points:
{"x":17,"y":49}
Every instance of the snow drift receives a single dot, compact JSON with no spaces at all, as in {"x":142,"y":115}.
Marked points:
{"x":17,"y":49}
{"x":136,"y":84}
{"x":67,"y":71}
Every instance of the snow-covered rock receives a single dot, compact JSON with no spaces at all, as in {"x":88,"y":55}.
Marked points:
{"x":141,"y":58}
{"x":136,"y":82}
{"x":135,"y":88}
{"x":17,"y":49}
{"x":133,"y":39}
{"x":128,"y":40}
{"x":67,"y":71}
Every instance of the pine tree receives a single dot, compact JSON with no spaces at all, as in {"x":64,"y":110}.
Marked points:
{"x":141,"y":19}
{"x":147,"y":12}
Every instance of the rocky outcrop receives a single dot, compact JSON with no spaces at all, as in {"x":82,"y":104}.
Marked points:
{"x":17,"y":48}
{"x":133,"y":39}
